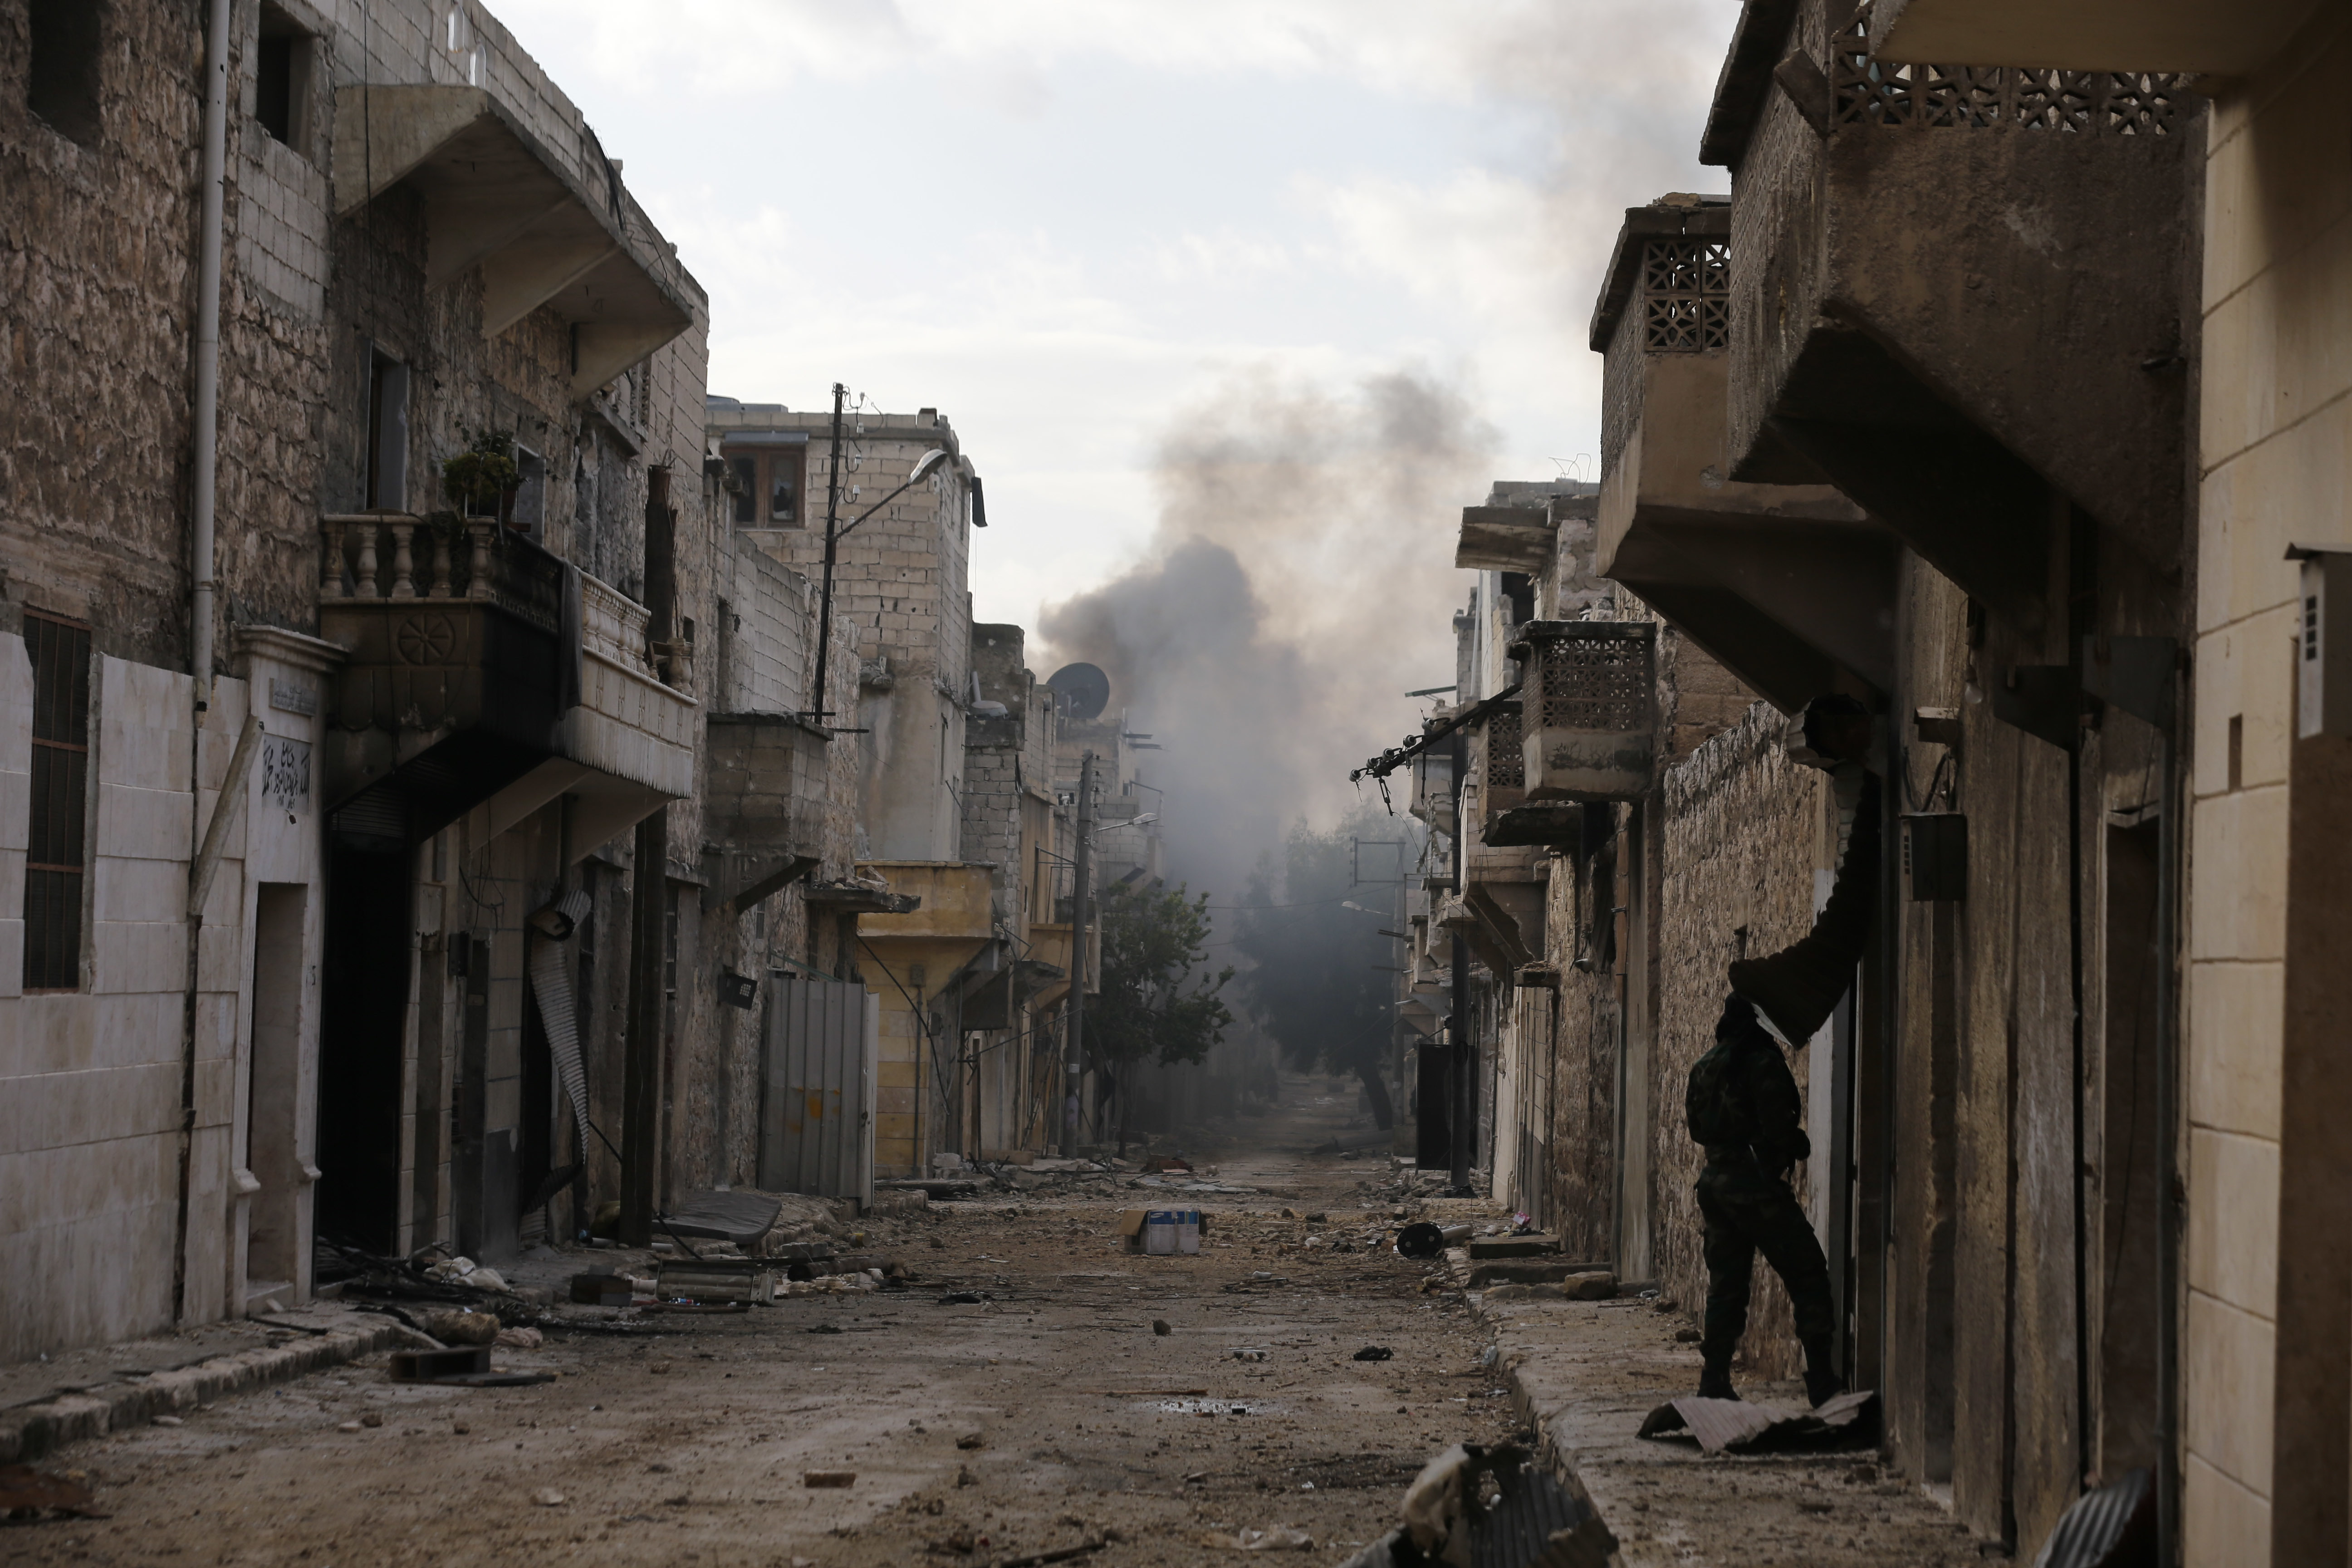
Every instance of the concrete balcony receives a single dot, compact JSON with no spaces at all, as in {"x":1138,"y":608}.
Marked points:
{"x":1792,"y":587}
{"x":1957,"y":293}
{"x":1506,"y":820}
{"x":543,"y":227}
{"x":766,"y":805}
{"x":483,"y":668}
{"x":2227,"y":40}
{"x":1591,"y":701}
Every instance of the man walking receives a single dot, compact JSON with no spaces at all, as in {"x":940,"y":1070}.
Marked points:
{"x":1744,"y":1109}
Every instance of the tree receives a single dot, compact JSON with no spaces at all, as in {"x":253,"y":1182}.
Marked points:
{"x":1321,"y":975}
{"x":1153,"y":942}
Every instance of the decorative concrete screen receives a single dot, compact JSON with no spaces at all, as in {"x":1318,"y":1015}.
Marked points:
{"x":1589,"y":710}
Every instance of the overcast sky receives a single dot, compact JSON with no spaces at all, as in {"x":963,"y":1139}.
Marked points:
{"x":1065,"y":223}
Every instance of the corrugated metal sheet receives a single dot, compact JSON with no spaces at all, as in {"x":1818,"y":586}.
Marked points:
{"x":2113,"y":1527}
{"x":817,"y":1083}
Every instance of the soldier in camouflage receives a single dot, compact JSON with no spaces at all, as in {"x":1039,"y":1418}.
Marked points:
{"x":1743,"y":1108}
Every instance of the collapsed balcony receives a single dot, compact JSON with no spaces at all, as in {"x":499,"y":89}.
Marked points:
{"x":483,"y":668}
{"x":1961,"y":370}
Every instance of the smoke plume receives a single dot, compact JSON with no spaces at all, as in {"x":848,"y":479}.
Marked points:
{"x":1299,"y":581}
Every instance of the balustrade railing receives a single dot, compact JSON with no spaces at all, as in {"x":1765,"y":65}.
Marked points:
{"x":389,"y":557}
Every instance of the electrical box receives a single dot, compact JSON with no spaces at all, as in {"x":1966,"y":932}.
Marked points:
{"x":2323,"y":649}
{"x":1936,"y":856}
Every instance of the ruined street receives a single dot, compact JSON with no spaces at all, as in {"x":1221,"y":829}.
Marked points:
{"x":1048,"y":1413}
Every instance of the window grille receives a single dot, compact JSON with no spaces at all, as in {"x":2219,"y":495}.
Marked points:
{"x":1506,"y":763}
{"x":57,"y":850}
{"x":1686,"y":295}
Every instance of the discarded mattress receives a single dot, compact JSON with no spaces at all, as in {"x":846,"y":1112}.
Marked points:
{"x":1740,"y":1426}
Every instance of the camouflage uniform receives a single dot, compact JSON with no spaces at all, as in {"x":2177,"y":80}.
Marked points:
{"x":1744,"y":1107}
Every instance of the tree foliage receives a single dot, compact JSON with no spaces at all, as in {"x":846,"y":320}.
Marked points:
{"x":1321,"y":976}
{"x":1157,"y":1004}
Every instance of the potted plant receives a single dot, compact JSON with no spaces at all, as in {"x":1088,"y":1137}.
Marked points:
{"x":482,"y":479}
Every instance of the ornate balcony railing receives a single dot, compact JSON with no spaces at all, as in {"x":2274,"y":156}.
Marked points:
{"x":1589,"y":709}
{"x":1871,"y":92}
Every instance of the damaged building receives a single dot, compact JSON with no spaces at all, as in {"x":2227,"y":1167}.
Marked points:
{"x":1964,"y":549}
{"x":455,"y":804}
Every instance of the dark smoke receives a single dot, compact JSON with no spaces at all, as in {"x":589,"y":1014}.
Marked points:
{"x":1300,"y":581}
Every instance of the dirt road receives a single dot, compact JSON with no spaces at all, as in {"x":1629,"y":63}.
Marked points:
{"x":1046,"y":1415}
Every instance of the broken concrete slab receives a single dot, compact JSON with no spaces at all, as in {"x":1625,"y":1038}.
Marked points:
{"x":1484,"y":1247}
{"x":1530,"y":1271}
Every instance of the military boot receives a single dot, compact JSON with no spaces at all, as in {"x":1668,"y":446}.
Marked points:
{"x":1715,"y":1379}
{"x":1823,"y":1383}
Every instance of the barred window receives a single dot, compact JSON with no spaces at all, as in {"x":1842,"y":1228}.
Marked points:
{"x":57,"y":846}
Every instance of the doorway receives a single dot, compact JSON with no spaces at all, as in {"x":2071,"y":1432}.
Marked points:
{"x":2129,"y":1134}
{"x":363,"y":1011}
{"x":273,"y":1100}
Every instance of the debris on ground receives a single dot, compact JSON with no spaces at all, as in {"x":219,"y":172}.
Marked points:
{"x":466,"y":1272}
{"x":1424,"y":1240}
{"x":1735,"y":1425}
{"x":823,"y":1478}
{"x":460,"y":1327}
{"x":30,"y":1493}
{"x":1589,"y":1277}
{"x":1160,"y":1327}
{"x":1281,"y":1538}
{"x":1491,"y":1505}
{"x":1373,"y":1352}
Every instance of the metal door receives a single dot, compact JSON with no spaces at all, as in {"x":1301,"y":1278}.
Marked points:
{"x":817,"y":1083}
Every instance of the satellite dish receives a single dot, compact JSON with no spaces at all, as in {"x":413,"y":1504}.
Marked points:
{"x":1081,"y":691}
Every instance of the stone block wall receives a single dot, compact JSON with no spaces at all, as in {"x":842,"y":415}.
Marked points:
{"x":1740,"y":841}
{"x":97,"y":300}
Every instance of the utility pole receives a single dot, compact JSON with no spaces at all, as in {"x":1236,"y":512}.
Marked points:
{"x":1075,"y":1067}
{"x":832,"y":518}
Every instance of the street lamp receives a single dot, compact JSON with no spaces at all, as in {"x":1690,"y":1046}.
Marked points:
{"x":924,"y":468}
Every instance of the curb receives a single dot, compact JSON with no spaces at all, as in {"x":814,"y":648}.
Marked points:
{"x":1550,"y":1451}
{"x":30,"y":1431}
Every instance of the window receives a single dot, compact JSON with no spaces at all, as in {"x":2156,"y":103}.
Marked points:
{"x":784,"y":488}
{"x":771,"y":485}
{"x":747,"y":489}
{"x":529,"y":509}
{"x":61,"y":84}
{"x":56,"y":854}
{"x":281,"y":80}
{"x":387,"y":445}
